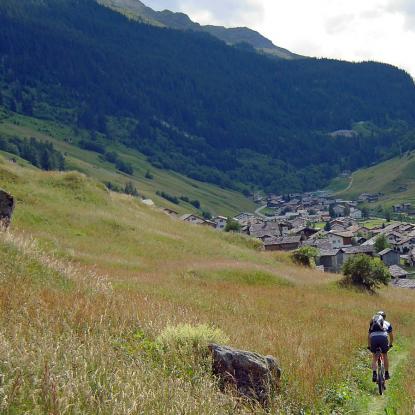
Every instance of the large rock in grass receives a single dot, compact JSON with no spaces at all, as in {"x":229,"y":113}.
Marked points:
{"x":6,"y":209}
{"x":252,"y":375}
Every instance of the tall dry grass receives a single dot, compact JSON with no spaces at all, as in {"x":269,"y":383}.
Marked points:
{"x":68,"y":340}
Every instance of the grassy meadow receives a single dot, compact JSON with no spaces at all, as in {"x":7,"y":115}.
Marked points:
{"x":395,"y":178}
{"x":91,"y":279}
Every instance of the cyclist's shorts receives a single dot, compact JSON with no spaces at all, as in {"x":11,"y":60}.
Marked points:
{"x":379,"y":341}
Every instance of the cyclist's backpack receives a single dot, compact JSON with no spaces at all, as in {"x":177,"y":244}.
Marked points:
{"x":377,"y":324}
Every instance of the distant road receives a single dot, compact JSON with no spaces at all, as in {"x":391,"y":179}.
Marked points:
{"x":258,"y":211}
{"x":349,"y":186}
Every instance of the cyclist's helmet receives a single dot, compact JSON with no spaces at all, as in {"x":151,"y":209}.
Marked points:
{"x":381,"y":313}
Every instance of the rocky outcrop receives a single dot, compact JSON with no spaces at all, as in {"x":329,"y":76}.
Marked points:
{"x":252,"y":375}
{"x":6,"y":209}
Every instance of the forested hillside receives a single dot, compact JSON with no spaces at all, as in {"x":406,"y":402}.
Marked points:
{"x":192,"y":104}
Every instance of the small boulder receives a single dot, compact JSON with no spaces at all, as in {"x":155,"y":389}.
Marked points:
{"x":6,"y":209}
{"x":254,"y":376}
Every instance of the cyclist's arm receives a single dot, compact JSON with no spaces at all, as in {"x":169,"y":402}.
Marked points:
{"x":391,"y":337}
{"x":368,"y":340}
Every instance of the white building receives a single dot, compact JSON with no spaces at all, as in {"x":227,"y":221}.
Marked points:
{"x":220,"y":222}
{"x":340,"y":239}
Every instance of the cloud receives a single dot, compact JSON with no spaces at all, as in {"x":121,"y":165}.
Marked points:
{"x":356,"y":30}
{"x":221,"y":12}
{"x":340,"y":23}
{"x":407,"y":9}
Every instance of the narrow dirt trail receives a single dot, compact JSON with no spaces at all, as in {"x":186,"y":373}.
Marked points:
{"x":378,"y":404}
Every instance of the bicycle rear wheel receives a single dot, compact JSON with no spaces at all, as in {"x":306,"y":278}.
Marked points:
{"x":381,"y":378}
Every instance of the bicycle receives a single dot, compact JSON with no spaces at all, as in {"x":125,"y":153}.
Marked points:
{"x":380,"y":371}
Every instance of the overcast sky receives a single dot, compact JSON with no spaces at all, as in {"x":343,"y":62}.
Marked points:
{"x":381,"y":30}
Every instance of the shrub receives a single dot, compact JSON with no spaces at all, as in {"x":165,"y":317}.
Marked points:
{"x":111,"y":156}
{"x":92,"y":146}
{"x":306,"y":256}
{"x":124,"y":167}
{"x":381,"y":243}
{"x":169,"y":197}
{"x":206,"y":215}
{"x":149,"y":175}
{"x":365,"y":272}
{"x":185,"y":199}
{"x":185,"y":338}
{"x":130,"y":189}
{"x":195,"y":203}
{"x":232,"y":225}
{"x":184,"y":349}
{"x":113,"y":186}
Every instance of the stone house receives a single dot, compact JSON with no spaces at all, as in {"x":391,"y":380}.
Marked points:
{"x":338,"y":210}
{"x":403,"y":246}
{"x":330,"y":259}
{"x":389,"y":257}
{"x":170,"y":212}
{"x":356,"y":213}
{"x":220,"y":222}
{"x":356,"y":250}
{"x":340,"y":239}
{"x":286,"y":243}
{"x":196,"y":220}
{"x":333,"y":259}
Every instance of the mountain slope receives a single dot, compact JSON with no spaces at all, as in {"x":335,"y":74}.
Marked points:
{"x":167,"y":18}
{"x":194,"y":105}
{"x":394,"y":178}
{"x":212,"y":199}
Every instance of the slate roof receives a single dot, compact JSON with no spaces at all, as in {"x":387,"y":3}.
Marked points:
{"x":342,"y":234}
{"x":328,"y":252}
{"x":362,"y":249}
{"x":385,"y":251}
{"x":283,"y":240}
{"x":404,"y":283}
{"x":397,"y":272}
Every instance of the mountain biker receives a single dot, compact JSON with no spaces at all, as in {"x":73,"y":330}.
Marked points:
{"x":379,"y":330}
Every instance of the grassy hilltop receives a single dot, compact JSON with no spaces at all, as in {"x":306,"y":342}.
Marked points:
{"x":89,"y":279}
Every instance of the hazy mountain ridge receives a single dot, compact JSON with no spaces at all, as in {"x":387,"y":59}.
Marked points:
{"x":181,"y":21}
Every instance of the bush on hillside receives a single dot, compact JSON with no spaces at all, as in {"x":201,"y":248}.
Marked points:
{"x":149,"y":175}
{"x":169,"y":197}
{"x":92,"y":146}
{"x":184,"y":348}
{"x":232,"y":225}
{"x":365,"y":272}
{"x":130,"y":189}
{"x":306,"y":256}
{"x":124,"y":167}
{"x":185,"y":338}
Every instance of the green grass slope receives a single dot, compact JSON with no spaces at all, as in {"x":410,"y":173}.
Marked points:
{"x":213,"y":199}
{"x":395,"y":178}
{"x":91,"y":280}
